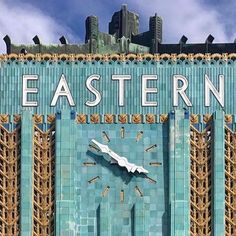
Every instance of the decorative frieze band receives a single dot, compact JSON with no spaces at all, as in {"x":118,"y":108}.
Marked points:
{"x":195,"y":119}
{"x":113,"y":118}
{"x":39,"y":119}
{"x":141,"y":118}
{"x":121,"y":118}
{"x":6,"y":118}
{"x":118,"y":57}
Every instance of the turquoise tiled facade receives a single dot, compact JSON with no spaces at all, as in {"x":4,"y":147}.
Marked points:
{"x":103,"y":199}
{"x":139,"y":214}
{"x":77,"y":72}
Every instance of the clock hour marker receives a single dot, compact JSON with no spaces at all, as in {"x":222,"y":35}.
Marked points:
{"x":105,"y":191}
{"x":138,"y":191}
{"x":122,"y":196}
{"x":89,"y":163}
{"x":93,"y":179}
{"x":122,"y":132}
{"x":105,"y":136}
{"x":149,"y":149}
{"x":139,"y":136}
{"x":151,"y":180}
{"x":94,"y":148}
{"x":155,"y":163}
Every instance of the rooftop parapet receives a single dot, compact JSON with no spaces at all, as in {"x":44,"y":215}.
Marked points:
{"x":123,"y":37}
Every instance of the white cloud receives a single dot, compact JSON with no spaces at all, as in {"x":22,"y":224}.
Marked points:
{"x":22,"y":22}
{"x":191,"y":18}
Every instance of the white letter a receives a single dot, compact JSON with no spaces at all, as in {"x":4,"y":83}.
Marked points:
{"x":62,"y":90}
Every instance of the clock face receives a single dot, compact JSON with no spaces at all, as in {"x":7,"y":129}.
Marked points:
{"x":120,"y":190}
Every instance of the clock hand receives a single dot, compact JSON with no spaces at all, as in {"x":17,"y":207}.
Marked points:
{"x":102,"y":147}
{"x":105,"y":149}
{"x":121,"y":161}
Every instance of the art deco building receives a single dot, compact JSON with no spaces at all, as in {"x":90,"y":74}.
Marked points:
{"x":122,"y":135}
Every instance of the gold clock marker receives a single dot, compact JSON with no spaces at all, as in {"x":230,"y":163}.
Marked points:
{"x":105,"y":136}
{"x":149,"y":149}
{"x":138,"y":191}
{"x":89,"y":163}
{"x":94,"y":147}
{"x":139,"y":136}
{"x":151,"y":180}
{"x":93,"y":179}
{"x":122,"y":132}
{"x":122,"y":195}
{"x":155,"y":164}
{"x":105,"y":191}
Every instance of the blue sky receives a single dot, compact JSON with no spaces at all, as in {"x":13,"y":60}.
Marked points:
{"x":23,"y":19}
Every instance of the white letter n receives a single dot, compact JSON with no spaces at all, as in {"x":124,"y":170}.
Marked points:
{"x":219,"y":95}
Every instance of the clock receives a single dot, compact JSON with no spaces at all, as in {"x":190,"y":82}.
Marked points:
{"x":120,"y":179}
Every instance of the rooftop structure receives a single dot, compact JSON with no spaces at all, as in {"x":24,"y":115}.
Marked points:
{"x":123,"y":37}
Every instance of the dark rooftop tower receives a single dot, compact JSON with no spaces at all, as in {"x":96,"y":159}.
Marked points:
{"x":91,"y":25}
{"x":155,"y":29}
{"x":124,"y":23}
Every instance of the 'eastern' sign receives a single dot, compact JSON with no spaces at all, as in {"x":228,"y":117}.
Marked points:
{"x":180,"y":86}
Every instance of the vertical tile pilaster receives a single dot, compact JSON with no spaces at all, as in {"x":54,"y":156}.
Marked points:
{"x":218,"y":167}
{"x":104,"y":226}
{"x":65,"y":158}
{"x":179,"y":173}
{"x":26,"y":213}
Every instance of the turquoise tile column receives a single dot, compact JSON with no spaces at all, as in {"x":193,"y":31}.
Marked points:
{"x":218,"y":166}
{"x":26,"y":174}
{"x":65,"y":158}
{"x":179,"y":173}
{"x":104,"y":226}
{"x":139,"y":219}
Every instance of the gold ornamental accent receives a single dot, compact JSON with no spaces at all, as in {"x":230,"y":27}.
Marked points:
{"x":228,"y":119}
{"x":190,"y":56}
{"x":4,"y":118}
{"x":163,"y":118}
{"x":51,"y":119}
{"x":43,"y":181}
{"x":207,"y":118}
{"x":38,"y":119}
{"x":194,"y":119}
{"x":123,"y":118}
{"x":136,"y":118}
{"x":114,"y":57}
{"x":88,"y":57}
{"x":200,"y":181}
{"x":207,"y":56}
{"x":81,"y":118}
{"x":173,"y":57}
{"x":148,"y":56}
{"x":109,"y":118}
{"x":95,"y":118}
{"x":80,"y":57}
{"x":106,"y":57}
{"x":230,"y":182}
{"x":165,"y":56}
{"x":17,"y":118}
{"x":182,"y":56}
{"x":150,"y":118}
{"x":10,"y":182}
{"x":139,"y":57}
{"x":118,"y":57}
{"x":131,"y":57}
{"x":123,"y":57}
